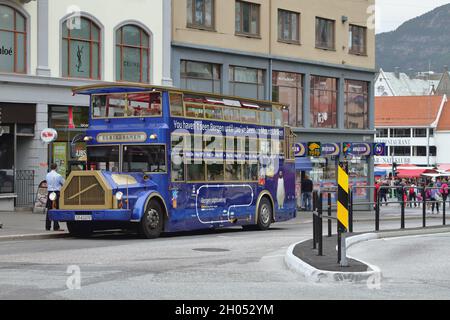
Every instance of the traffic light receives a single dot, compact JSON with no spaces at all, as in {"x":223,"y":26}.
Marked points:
{"x":394,"y":169}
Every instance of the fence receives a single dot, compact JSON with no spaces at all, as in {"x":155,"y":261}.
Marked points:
{"x":318,"y":211}
{"x":24,"y":188}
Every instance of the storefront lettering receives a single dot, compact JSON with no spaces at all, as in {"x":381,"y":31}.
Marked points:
{"x":395,"y":142}
{"x":6,"y":52}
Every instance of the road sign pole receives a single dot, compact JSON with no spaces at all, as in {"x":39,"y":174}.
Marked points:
{"x":342,"y":210}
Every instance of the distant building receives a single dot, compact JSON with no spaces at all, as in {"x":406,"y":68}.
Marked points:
{"x":415,"y":129}
{"x":393,"y":84}
{"x":444,"y":84}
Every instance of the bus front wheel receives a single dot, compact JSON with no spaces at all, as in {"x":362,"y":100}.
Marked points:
{"x":152,"y":221}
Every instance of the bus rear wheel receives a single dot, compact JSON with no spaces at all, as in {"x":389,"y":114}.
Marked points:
{"x":79,"y":229}
{"x":152,"y":221}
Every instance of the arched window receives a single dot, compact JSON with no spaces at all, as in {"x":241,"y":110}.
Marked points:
{"x":81,"y":49}
{"x":132,"y":54}
{"x":13,"y":40}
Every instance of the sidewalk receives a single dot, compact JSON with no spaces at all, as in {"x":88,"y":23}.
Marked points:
{"x":25,"y":226}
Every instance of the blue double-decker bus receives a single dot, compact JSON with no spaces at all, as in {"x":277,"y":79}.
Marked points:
{"x":162,"y":159}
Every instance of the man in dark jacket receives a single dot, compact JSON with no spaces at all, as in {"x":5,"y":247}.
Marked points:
{"x":307,"y":189}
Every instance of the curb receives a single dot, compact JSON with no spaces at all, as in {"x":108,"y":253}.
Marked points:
{"x":317,"y":275}
{"x":374,"y":274}
{"x":39,"y":236}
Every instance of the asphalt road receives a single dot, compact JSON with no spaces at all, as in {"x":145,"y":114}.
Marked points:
{"x":226,"y":264}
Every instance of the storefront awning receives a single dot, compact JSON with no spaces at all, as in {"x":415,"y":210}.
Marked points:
{"x":303,"y":164}
{"x":408,"y":173}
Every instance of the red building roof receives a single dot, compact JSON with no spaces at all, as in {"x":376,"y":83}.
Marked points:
{"x":413,"y":111}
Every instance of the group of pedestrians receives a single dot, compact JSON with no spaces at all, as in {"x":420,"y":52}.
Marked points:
{"x":412,"y":191}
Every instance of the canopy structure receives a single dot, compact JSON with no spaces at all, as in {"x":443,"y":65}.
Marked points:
{"x":416,"y":172}
{"x":444,"y":167}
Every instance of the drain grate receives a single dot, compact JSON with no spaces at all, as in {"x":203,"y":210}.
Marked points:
{"x":210,"y":250}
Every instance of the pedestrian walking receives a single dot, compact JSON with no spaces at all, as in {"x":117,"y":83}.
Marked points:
{"x":435,"y":198}
{"x":54,"y":183}
{"x":444,"y":192}
{"x":383,"y":193}
{"x":413,"y":196}
{"x":307,"y":189}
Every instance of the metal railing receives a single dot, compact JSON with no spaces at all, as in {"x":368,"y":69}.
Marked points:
{"x":318,"y":212}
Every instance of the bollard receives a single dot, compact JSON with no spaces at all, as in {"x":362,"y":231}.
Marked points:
{"x":314,"y":219}
{"x":402,"y":226}
{"x":377,"y":215}
{"x":329,"y":215}
{"x":339,"y":242}
{"x":424,"y":209}
{"x":320,"y":225}
{"x":443,"y":211}
{"x":350,"y":211}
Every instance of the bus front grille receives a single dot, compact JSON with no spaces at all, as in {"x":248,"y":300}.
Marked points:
{"x":84,"y":191}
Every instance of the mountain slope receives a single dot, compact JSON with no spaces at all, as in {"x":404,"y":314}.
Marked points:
{"x":416,"y":43}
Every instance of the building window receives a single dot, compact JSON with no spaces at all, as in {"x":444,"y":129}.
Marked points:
{"x":13,"y":40}
{"x":132,"y":54}
{"x":247,"y":18}
{"x":420,"y":133}
{"x":357,"y":41}
{"x":199,"y":76}
{"x":431,"y":132}
{"x":401,"y":133}
{"x":433,"y":151}
{"x":287,"y":88}
{"x":247,"y":82}
{"x":356,"y":104}
{"x":81,"y":50}
{"x":382,"y":133}
{"x":325,"y":34}
{"x":200,"y":14}
{"x":323,"y":102}
{"x":419,"y":151}
{"x":401,"y":151}
{"x":288,"y":26}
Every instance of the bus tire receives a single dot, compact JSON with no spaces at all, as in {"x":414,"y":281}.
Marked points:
{"x":152,"y":221}
{"x":79,"y":229}
{"x":265,"y":214}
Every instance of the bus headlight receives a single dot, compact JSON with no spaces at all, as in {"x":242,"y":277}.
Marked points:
{"x":119,"y":196}
{"x":52,"y":196}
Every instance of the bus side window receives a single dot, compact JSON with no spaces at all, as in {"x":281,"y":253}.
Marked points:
{"x":177,"y":171}
{"x":176,"y":104}
{"x":196,"y":171}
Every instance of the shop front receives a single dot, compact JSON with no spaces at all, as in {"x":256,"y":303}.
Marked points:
{"x":17,"y":123}
{"x":68,"y":151}
{"x":319,"y":162}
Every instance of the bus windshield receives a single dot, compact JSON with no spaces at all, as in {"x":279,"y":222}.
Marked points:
{"x":143,"y":104}
{"x":103,"y":158}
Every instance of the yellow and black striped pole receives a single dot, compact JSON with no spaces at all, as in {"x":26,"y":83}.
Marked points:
{"x":342,"y":205}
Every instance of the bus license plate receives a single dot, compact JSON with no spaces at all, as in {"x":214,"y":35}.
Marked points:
{"x":83,"y":218}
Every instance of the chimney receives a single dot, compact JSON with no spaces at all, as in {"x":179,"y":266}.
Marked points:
{"x":397,"y":72}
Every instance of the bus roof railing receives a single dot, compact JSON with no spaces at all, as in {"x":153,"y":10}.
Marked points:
{"x":105,"y":88}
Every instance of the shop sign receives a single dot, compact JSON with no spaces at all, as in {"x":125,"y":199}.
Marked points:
{"x":356,"y":149}
{"x":331,"y":149}
{"x":6,"y":51}
{"x":379,"y":149}
{"x":314,"y":149}
{"x":49,"y":135}
{"x":300,"y":149}
{"x":121,"y":137}
{"x":395,"y":142}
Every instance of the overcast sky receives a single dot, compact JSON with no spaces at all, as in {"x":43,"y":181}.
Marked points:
{"x":392,"y":13}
